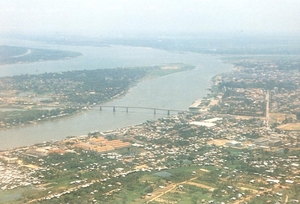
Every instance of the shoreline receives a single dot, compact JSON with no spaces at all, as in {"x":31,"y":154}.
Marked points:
{"x":212,"y":65}
{"x":148,"y":76}
{"x":76,"y":114}
{"x":39,"y":61}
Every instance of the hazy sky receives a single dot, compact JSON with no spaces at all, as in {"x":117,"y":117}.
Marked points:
{"x":130,"y":17}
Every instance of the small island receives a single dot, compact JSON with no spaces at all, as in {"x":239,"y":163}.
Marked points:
{"x":28,"y":99}
{"x":14,"y":55}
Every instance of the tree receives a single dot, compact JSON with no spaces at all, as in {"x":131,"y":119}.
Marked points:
{"x":286,"y":150}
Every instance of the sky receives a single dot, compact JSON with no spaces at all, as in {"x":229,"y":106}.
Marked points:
{"x":148,"y":17}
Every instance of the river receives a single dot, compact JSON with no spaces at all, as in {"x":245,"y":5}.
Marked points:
{"x":175,"y":91}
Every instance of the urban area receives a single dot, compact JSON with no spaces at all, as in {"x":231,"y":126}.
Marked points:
{"x":239,"y":144}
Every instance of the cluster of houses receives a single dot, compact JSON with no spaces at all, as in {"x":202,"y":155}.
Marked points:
{"x":11,"y":176}
{"x":163,"y":144}
{"x":285,"y":100}
{"x":244,"y":91}
{"x":243,"y":101}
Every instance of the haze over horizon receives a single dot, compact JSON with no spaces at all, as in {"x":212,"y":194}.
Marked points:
{"x":120,"y":18}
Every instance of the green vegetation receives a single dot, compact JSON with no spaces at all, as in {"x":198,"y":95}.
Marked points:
{"x":12,"y":55}
{"x":15,"y":117}
{"x":237,"y":159}
{"x":52,"y":95}
{"x":168,"y":69}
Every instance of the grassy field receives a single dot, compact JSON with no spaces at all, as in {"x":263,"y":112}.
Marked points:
{"x":187,"y":194}
{"x":16,"y":195}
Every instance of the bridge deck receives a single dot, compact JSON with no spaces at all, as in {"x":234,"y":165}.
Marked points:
{"x":146,"y":108}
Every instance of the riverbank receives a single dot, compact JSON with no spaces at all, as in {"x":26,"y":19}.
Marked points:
{"x":22,"y":55}
{"x":174,"y":91}
{"x":36,"y":103}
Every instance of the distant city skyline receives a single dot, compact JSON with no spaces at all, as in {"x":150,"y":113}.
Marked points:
{"x":118,"y":18}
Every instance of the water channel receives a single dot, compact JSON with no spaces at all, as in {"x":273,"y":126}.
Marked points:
{"x":175,"y":91}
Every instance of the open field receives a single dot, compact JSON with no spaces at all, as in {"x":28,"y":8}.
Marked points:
{"x":279,"y":117}
{"x":290,"y":127}
{"x":218,"y":142}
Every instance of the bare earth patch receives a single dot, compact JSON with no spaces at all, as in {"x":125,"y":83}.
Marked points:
{"x":171,"y":67}
{"x":218,"y":142}
{"x":290,"y":127}
{"x":201,"y":185}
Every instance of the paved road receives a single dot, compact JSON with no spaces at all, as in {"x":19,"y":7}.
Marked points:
{"x":267,"y":108}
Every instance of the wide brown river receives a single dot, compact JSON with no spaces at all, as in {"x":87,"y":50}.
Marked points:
{"x":175,"y":91}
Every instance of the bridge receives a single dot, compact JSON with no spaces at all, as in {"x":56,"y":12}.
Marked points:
{"x":126,"y":108}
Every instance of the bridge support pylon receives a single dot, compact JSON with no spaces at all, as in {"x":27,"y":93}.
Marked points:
{"x":114,"y":109}
{"x":126,"y":109}
{"x":154,"y":111}
{"x":101,"y":108}
{"x":168,"y":112}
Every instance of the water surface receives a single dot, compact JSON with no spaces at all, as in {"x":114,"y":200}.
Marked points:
{"x":175,"y":91}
